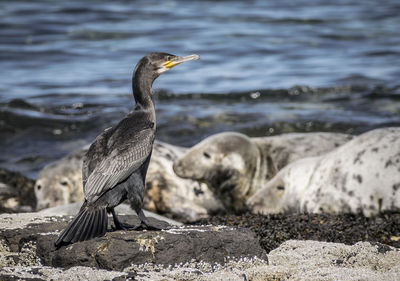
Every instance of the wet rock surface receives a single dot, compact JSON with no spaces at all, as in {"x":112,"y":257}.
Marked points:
{"x":273,"y":230}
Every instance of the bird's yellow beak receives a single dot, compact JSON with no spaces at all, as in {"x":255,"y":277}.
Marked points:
{"x":178,"y":60}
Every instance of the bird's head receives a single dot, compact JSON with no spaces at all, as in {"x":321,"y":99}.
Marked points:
{"x":156,"y":63}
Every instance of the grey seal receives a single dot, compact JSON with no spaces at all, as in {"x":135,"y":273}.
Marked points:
{"x":235,"y":166}
{"x":361,"y":176}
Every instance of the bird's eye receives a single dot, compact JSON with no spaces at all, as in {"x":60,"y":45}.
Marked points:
{"x":38,"y":187}
{"x":206,"y":155}
{"x":169,"y":58}
{"x":280,"y":187}
{"x":64,"y":183}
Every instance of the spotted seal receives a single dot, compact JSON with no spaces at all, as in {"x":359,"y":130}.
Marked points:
{"x":363,"y":175}
{"x":235,"y":166}
{"x":60,"y":183}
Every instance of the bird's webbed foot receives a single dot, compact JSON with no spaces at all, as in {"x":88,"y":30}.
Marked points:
{"x":123,"y":226}
{"x":148,"y":226}
{"x":145,"y":224}
{"x":119,"y":225}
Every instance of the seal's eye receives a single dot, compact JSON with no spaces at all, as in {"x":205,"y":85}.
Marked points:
{"x":64,"y":183}
{"x":206,"y":155}
{"x":280,"y":187}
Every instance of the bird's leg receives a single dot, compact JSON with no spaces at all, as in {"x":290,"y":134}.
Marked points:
{"x":145,"y":222}
{"x":119,"y":225}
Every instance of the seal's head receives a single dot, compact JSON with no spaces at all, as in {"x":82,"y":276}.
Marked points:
{"x":268,"y":200}
{"x":53,"y":191}
{"x":226,"y":162}
{"x":285,"y":191}
{"x":60,"y":182}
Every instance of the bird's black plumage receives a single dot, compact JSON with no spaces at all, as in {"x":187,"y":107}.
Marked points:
{"x":115,"y":167}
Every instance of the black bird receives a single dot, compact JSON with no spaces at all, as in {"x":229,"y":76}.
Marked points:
{"x":115,"y":167}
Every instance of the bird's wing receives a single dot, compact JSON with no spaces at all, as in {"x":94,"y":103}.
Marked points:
{"x":123,"y":159}
{"x":95,"y":153}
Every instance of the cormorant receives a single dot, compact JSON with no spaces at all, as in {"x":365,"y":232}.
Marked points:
{"x":115,"y":167}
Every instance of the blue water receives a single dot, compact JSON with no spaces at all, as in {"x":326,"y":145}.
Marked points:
{"x":66,"y":66}
{"x":92,"y":46}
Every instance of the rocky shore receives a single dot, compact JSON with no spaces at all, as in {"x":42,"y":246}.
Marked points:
{"x":234,"y":247}
{"x":246,"y":247}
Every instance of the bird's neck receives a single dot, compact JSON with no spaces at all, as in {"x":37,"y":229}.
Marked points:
{"x":142,"y":91}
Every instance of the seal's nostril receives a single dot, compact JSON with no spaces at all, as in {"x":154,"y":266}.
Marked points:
{"x":207,"y":155}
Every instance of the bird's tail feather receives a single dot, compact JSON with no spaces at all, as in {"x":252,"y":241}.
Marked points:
{"x":90,"y":222}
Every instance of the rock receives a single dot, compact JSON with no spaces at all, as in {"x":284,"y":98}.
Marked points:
{"x":36,"y":233}
{"x":16,"y":192}
{"x":186,"y":253}
{"x":49,"y":273}
{"x":305,"y":260}
{"x":120,"y":249}
{"x":293,"y":260}
{"x":146,"y":256}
